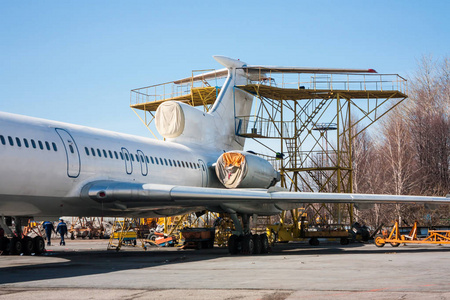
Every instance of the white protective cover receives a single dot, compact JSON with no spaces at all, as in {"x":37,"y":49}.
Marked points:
{"x":170,"y":120}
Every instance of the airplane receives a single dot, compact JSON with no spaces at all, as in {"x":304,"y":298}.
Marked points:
{"x":50,"y":169}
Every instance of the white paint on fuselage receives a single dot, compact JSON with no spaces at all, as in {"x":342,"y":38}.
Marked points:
{"x":43,"y":174}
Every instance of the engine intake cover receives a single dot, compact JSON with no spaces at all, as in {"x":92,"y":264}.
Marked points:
{"x":237,"y":169}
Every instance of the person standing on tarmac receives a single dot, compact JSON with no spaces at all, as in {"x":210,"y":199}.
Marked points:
{"x":62,"y":230}
{"x":49,"y":228}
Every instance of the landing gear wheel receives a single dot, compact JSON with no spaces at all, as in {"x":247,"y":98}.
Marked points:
{"x":379,"y":241}
{"x":395,"y":244}
{"x":257,"y":244}
{"x":233,"y":244}
{"x":4,"y":245}
{"x":344,"y":241}
{"x":28,"y":245}
{"x":247,"y":244}
{"x":15,"y":246}
{"x":314,"y":241}
{"x":264,"y":243}
{"x":39,"y":245}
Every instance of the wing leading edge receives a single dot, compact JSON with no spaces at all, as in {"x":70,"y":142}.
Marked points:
{"x":159,"y":195}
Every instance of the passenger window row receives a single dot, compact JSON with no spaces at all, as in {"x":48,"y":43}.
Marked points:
{"x":27,"y":144}
{"x":140,"y":158}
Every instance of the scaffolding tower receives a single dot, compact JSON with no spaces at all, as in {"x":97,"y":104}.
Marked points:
{"x":306,"y":122}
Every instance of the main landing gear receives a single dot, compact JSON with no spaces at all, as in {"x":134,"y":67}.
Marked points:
{"x":19,"y":243}
{"x":243,"y":241}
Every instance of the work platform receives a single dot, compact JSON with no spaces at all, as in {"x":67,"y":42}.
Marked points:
{"x":325,"y":86}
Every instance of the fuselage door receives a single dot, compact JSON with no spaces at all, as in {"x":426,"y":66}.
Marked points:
{"x":144,"y":167}
{"x":127,"y":159}
{"x":204,"y":171}
{"x":72,"y":153}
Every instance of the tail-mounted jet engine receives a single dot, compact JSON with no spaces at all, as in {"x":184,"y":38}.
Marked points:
{"x":238,"y":169}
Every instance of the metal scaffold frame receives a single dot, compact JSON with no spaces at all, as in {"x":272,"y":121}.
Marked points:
{"x":323,"y":114}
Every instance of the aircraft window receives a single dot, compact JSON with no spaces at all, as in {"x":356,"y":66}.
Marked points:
{"x":110,"y":154}
{"x":25,"y":141}
{"x":182,"y":163}
{"x":70,"y":147}
{"x":174,"y":162}
{"x":99,"y":153}
{"x":156,"y":159}
{"x":126,"y":156}
{"x":87,"y":151}
{"x":170,"y":162}
{"x":203,"y":167}
{"x":151,"y":158}
{"x":54,"y":147}
{"x":161,"y":161}
{"x":146,"y":157}
{"x":198,"y":166}
{"x":104,"y":154}
{"x":2,"y":139}
{"x":11,"y":142}
{"x":195,"y":167}
{"x":18,"y":142}
{"x":142,"y":159}
{"x":137,"y":158}
{"x":179,"y":163}
{"x":47,"y":145}
{"x":132,"y":157}
{"x":115,"y":154}
{"x":165,"y":160}
{"x":33,"y":143}
{"x":191,"y":165}
{"x":92,"y":151}
{"x":41,"y":146}
{"x":121,"y":155}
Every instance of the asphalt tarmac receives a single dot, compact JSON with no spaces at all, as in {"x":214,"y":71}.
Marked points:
{"x":84,"y":269}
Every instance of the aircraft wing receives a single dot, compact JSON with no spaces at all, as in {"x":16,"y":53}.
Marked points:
{"x":161,"y":195}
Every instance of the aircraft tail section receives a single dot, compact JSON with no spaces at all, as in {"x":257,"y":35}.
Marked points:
{"x":182,"y":123}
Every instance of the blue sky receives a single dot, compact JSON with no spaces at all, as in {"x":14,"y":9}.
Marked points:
{"x":76,"y":61}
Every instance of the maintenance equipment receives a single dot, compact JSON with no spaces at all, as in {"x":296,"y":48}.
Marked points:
{"x":394,"y":238}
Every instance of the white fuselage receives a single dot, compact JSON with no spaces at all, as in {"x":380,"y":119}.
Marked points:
{"x":45,"y":164}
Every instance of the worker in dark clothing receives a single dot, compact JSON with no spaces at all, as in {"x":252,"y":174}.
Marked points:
{"x":49,"y":228}
{"x":62,"y":230}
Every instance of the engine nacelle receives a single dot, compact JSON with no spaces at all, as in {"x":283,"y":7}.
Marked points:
{"x":183,"y":123}
{"x":238,"y":169}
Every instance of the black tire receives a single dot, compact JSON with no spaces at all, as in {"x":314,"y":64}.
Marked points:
{"x":28,"y":245}
{"x":15,"y":246}
{"x":4,"y":245}
{"x":344,"y":241}
{"x":395,"y":244}
{"x":39,"y":245}
{"x":72,"y":236}
{"x":264,"y":243}
{"x":314,"y":241}
{"x":233,"y":244}
{"x":247,"y":244}
{"x":257,"y":244}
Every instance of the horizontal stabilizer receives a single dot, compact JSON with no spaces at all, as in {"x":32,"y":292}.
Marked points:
{"x":276,"y":69}
{"x":204,"y":76}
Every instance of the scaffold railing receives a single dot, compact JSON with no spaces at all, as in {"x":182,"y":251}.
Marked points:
{"x":332,"y":81}
{"x":173,"y":90}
